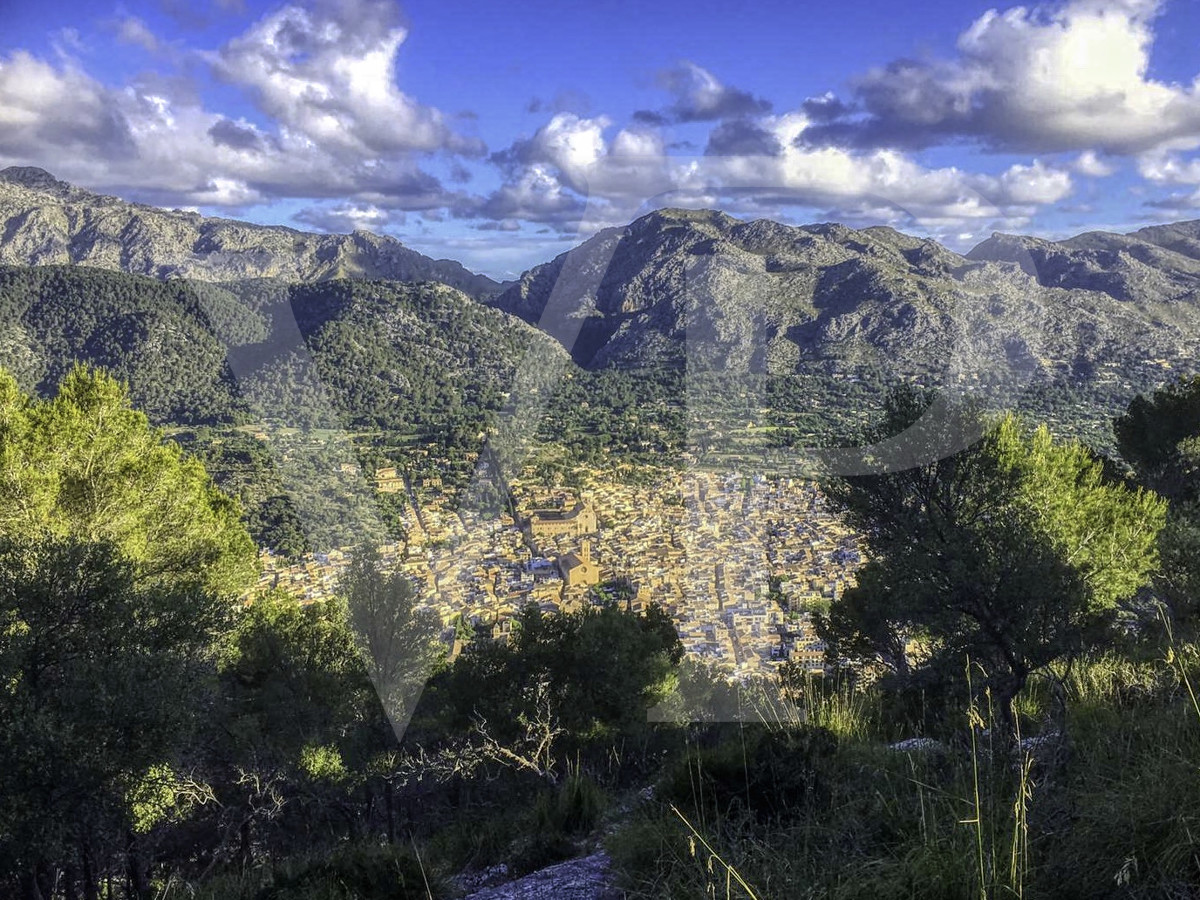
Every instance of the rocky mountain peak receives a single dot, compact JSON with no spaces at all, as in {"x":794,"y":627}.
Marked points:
{"x":36,"y":179}
{"x":45,"y":221}
{"x":1011,"y":248}
{"x":1179,"y":237}
{"x":698,"y":287}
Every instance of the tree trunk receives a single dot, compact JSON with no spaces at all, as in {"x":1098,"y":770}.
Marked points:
{"x":347,"y":811}
{"x":137,"y":878}
{"x":244,"y":846}
{"x":1005,"y":689}
{"x":70,"y":882}
{"x":45,"y":879}
{"x":29,"y":885}
{"x":91,"y":890}
{"x":389,"y":802}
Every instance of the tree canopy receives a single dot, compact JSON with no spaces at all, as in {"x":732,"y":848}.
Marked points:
{"x":1159,"y":436}
{"x":1007,"y":552}
{"x":98,"y":692}
{"x":396,"y":639}
{"x":601,"y":668}
{"x":85,"y":464}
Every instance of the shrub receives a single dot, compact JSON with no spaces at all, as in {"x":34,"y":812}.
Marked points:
{"x":769,"y":774}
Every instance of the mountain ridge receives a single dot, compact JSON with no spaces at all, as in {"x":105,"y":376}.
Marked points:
{"x":45,"y":221}
{"x":826,"y":291}
{"x":1099,"y":315}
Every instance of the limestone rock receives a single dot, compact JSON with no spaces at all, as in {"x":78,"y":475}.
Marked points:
{"x":705,"y":290}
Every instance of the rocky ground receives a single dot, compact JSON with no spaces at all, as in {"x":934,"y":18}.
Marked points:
{"x":586,"y":878}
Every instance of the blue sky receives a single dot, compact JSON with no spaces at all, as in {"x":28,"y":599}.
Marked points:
{"x":501,"y":134}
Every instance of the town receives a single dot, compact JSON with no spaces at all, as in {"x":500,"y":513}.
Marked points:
{"x":739,"y":562}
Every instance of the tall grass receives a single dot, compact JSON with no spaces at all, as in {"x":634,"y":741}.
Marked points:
{"x":363,"y":871}
{"x":1106,"y":806}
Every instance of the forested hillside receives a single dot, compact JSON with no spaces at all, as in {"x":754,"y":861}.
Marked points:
{"x":401,"y":366}
{"x":793,"y":318}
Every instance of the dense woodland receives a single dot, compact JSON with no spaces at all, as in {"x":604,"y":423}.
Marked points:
{"x":273,"y":385}
{"x":1025,"y":626}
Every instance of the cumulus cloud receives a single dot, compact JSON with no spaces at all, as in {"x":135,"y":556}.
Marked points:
{"x":159,"y":149}
{"x":1169,"y":168}
{"x":699,"y":96}
{"x":57,"y":110}
{"x":825,"y":108}
{"x":1090,"y":164}
{"x":742,"y":137}
{"x":1072,"y":77}
{"x":1172,"y":170}
{"x":344,"y":218}
{"x":132,"y":30}
{"x":758,"y":162}
{"x":326,"y":74}
{"x":571,"y":164}
{"x":237,"y":136}
{"x":535,"y":193}
{"x":569,"y":143}
{"x":330,"y":126}
{"x":846,"y":181}
{"x":566,"y":164}
{"x":349,"y":132}
{"x":1175,"y":204}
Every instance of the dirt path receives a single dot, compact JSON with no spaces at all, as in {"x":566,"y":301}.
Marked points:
{"x":587,"y":878}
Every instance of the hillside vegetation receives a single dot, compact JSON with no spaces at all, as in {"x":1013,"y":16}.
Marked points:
{"x":403,"y":365}
{"x":162,"y":740}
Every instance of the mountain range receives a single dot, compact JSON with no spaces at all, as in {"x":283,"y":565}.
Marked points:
{"x":44,"y":221}
{"x":714,"y":292}
{"x":1100,"y":316}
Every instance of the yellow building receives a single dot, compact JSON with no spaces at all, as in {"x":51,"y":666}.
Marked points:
{"x":552,"y":523}
{"x":388,"y":480}
{"x":578,"y":568}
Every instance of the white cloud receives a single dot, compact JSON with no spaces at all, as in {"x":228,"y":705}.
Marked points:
{"x":571,"y":157}
{"x":225,"y":192}
{"x":1034,"y":184}
{"x":347,"y":132}
{"x":348,"y":217}
{"x":332,"y":124}
{"x":132,"y":30}
{"x":60,"y":110}
{"x":326,"y":75}
{"x":535,"y":193}
{"x":1090,"y":164}
{"x":569,"y":143}
{"x":701,"y":97}
{"x":1169,"y":168}
{"x":569,"y":163}
{"x":1071,"y":77}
